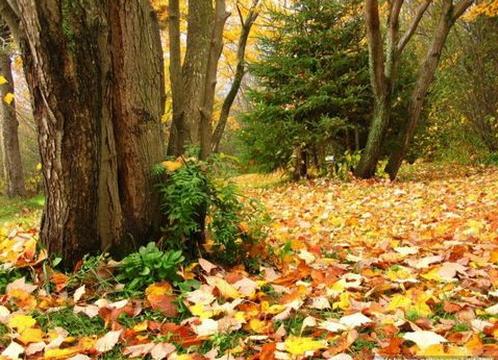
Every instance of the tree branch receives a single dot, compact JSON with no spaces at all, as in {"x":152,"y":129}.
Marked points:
{"x":413,"y":27}
{"x":239,"y":74}
{"x":460,"y":8}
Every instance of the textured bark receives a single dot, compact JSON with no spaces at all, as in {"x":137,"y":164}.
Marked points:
{"x":206,"y":109}
{"x":449,"y":14}
{"x":200,"y":18}
{"x":239,"y":74}
{"x":9,"y":138}
{"x":383,"y":74}
{"x":96,"y":76}
{"x":178,"y":130}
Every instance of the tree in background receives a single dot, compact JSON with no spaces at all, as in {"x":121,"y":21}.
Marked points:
{"x":96,"y":76}
{"x":9,"y":124}
{"x":311,"y":85}
{"x":449,"y":14}
{"x":384,"y":68}
{"x":193,"y":82}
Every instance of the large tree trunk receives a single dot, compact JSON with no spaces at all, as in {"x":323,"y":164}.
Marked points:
{"x":200,"y":18}
{"x":9,"y":138}
{"x":449,"y":14}
{"x":96,"y":76}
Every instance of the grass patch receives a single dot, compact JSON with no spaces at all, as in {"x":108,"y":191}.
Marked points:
{"x":75,"y":324}
{"x":21,"y":211}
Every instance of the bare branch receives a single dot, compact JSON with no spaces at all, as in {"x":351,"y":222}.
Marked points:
{"x":460,"y":8}
{"x":376,"y":49}
{"x":413,"y":27}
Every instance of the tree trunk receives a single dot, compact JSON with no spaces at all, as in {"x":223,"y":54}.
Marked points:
{"x":178,"y":130}
{"x":96,"y":75}
{"x":449,"y":14}
{"x":239,"y":74}
{"x":383,"y":74}
{"x":200,"y":18}
{"x":9,"y":139}
{"x":207,"y":103}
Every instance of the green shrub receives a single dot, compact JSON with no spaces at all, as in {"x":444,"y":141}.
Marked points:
{"x":206,"y":214}
{"x":148,"y":265}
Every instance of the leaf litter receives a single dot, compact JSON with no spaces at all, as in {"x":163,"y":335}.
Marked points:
{"x":353,"y":271}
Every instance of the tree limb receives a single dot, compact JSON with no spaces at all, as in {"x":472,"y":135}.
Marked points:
{"x":239,"y":74}
{"x":460,"y":8}
{"x":413,"y":27}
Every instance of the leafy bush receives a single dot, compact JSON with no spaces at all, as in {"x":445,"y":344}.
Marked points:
{"x":149,"y":264}
{"x":208,"y":215}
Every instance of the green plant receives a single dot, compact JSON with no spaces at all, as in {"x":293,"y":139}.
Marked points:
{"x":208,"y":214}
{"x":7,"y":276}
{"x":75,"y":324}
{"x":149,"y":264}
{"x":346,"y":164}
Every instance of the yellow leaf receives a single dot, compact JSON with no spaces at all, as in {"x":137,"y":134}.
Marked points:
{"x":8,"y":98}
{"x":299,"y":345}
{"x":258,"y":326}
{"x":399,"y":301}
{"x":61,"y":353}
{"x":172,"y":165}
{"x":343,"y":302}
{"x":3,"y":80}
{"x":31,"y":335}
{"x":21,"y":322}
{"x":433,"y":275}
{"x":226,"y":290}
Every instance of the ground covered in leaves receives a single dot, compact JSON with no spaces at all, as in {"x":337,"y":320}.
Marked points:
{"x":354,"y":270}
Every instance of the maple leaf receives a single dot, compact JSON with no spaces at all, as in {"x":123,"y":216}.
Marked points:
{"x":108,"y":341}
{"x":424,"y":339}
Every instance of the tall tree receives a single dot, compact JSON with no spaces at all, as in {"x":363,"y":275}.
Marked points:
{"x":9,"y":125}
{"x":449,"y":14}
{"x":384,"y":65}
{"x":9,"y":137}
{"x":207,"y":97}
{"x":95,"y":72}
{"x":240,"y":70}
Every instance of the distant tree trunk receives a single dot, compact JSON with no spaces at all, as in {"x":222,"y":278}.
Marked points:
{"x":207,"y":103}
{"x":449,"y":14}
{"x":239,"y":74}
{"x":178,"y":130}
{"x":96,"y":75}
{"x":383,"y":75}
{"x":200,"y":19}
{"x":9,"y":138}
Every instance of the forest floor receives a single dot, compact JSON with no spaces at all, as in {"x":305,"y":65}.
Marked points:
{"x":404,"y":269}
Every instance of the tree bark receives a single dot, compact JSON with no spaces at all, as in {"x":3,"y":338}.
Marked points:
{"x":239,"y":74}
{"x":9,"y":138}
{"x":96,"y":76}
{"x":178,"y":130}
{"x":206,"y":108}
{"x":449,"y":14}
{"x":200,"y":19}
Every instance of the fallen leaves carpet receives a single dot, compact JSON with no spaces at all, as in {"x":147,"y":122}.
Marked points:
{"x":361,"y":269}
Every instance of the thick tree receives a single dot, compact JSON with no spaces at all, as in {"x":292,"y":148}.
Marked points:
{"x":95,"y":72}
{"x":449,"y":14}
